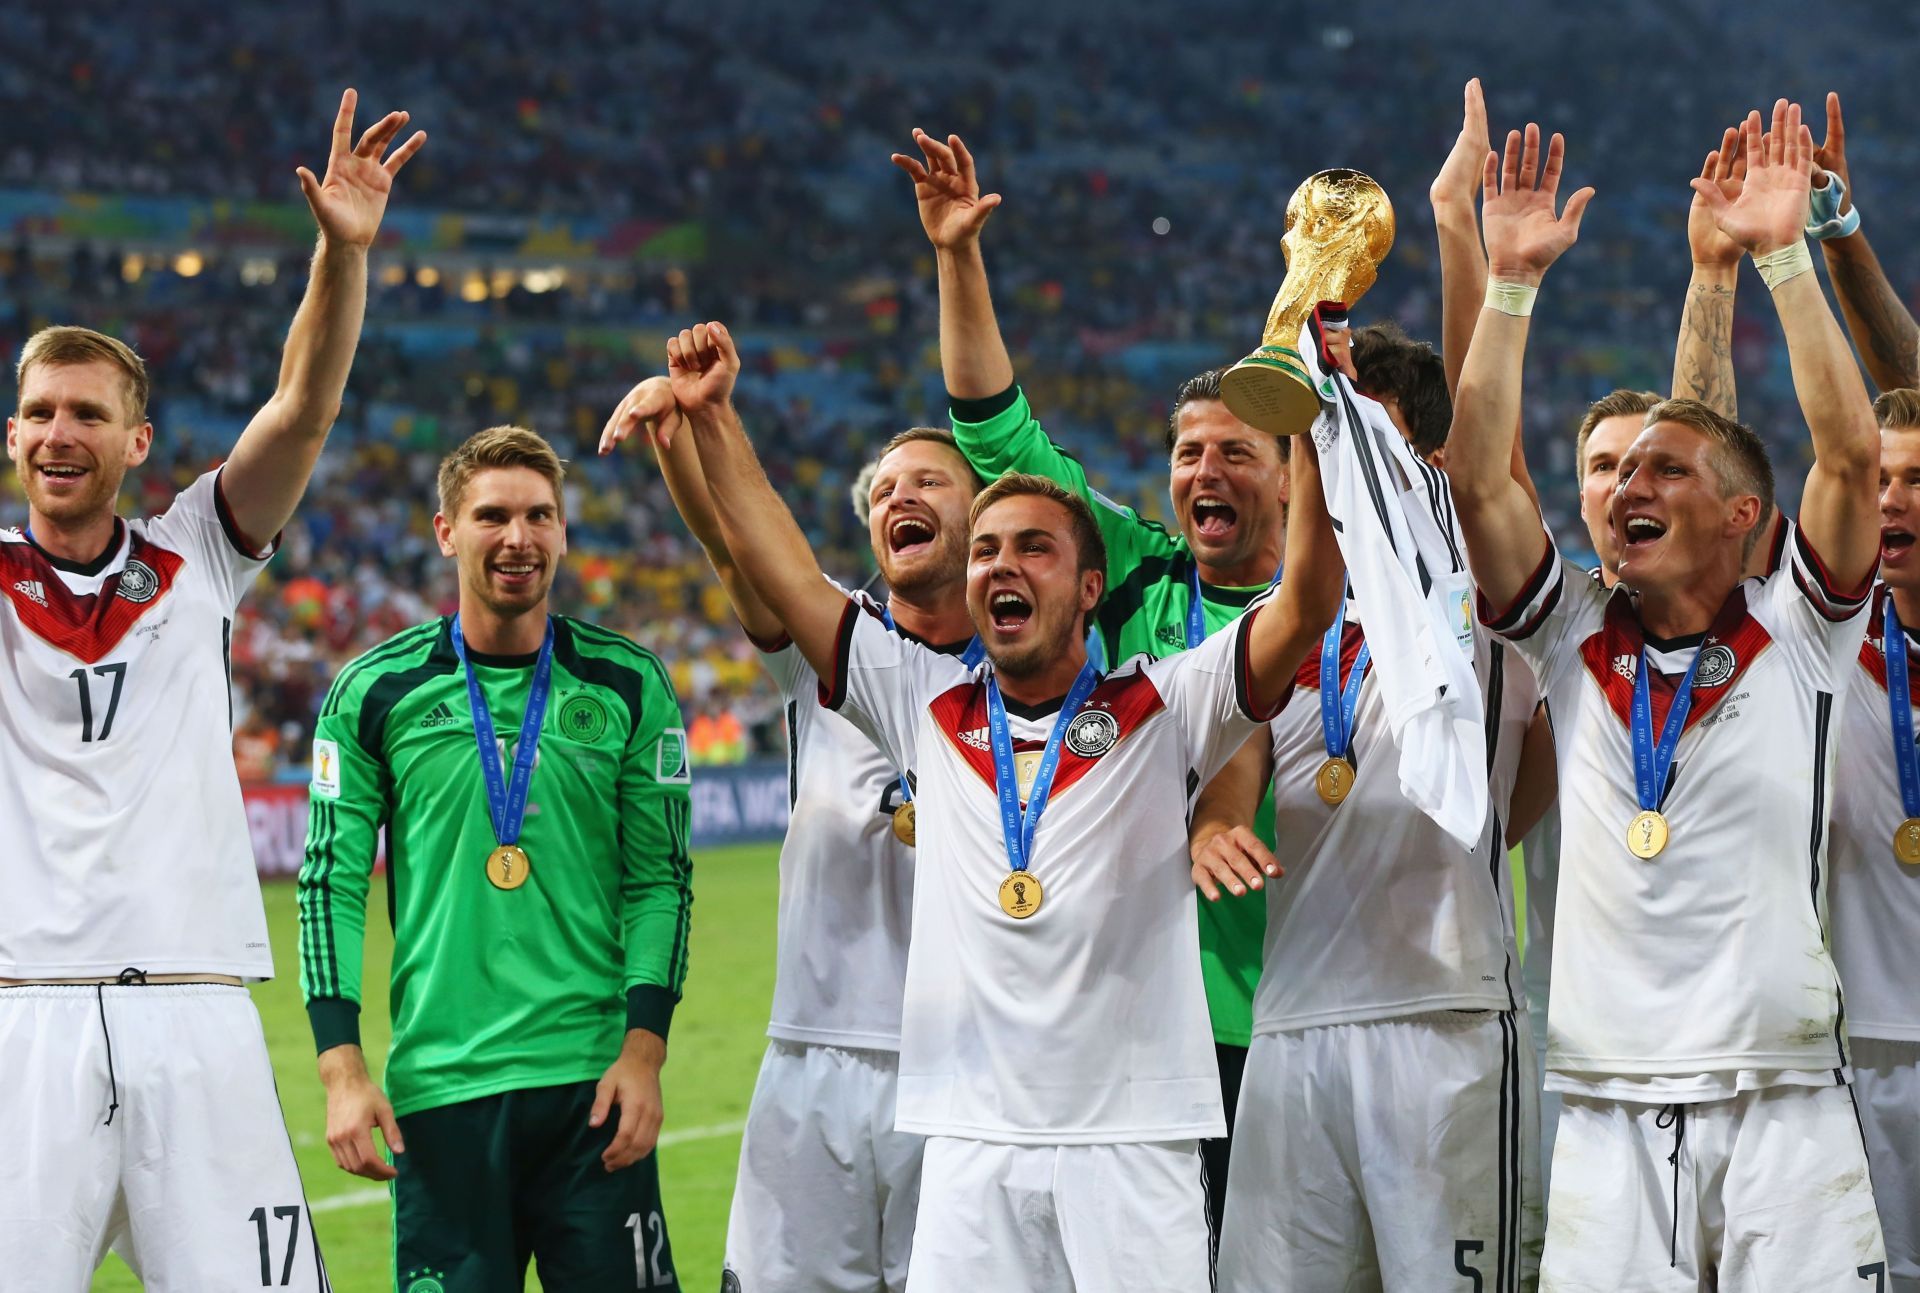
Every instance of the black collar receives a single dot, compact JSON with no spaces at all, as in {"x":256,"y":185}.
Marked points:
{"x":93,"y":567}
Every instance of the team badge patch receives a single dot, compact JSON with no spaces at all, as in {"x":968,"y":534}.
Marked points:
{"x":729,"y":1282}
{"x":1092,"y":733}
{"x":583,"y":718}
{"x":670,"y":760}
{"x":426,"y":1282}
{"x":1717,"y":664}
{"x":138,"y":583}
{"x":326,"y":768}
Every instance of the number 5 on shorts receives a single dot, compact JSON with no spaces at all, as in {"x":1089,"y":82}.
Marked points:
{"x":1462,"y":1249}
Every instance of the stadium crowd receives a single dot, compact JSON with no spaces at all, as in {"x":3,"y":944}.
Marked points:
{"x":1145,"y":160}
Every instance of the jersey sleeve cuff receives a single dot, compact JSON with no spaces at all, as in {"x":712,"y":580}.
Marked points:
{"x":1243,"y":673}
{"x":833,"y":694}
{"x":335,"y":1021}
{"x":650,"y":1006}
{"x":229,"y":527}
{"x":975,"y":412}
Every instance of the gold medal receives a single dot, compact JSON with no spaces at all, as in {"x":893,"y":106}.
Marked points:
{"x":1647,"y":834}
{"x":903,"y":823}
{"x":1026,"y":765}
{"x":1020,"y":895}
{"x":1906,"y":842}
{"x":508,"y":866}
{"x":1334,"y":781}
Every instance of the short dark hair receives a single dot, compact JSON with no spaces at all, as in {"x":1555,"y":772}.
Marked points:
{"x":1087,"y":539}
{"x":1206,"y":386}
{"x":1392,"y":364}
{"x":932,"y":435}
{"x":1614,"y":404}
{"x":1898,"y":410}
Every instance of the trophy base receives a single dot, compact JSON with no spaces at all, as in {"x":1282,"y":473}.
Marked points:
{"x":1270,"y":391}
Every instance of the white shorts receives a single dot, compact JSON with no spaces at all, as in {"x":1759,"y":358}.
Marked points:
{"x":1060,"y":1218}
{"x":1772,"y":1195}
{"x":192,"y":1181}
{"x":825,"y":1196}
{"x":1549,"y":1104}
{"x":1394,"y":1155}
{"x":1886,"y":1083}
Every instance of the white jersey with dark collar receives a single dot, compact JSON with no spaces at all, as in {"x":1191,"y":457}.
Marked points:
{"x":123,"y":839}
{"x":1703,"y":971}
{"x":1086,"y":1022}
{"x":1875,"y":898}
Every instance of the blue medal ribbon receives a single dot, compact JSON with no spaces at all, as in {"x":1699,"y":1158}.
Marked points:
{"x":1015,"y":827}
{"x":976,"y":652}
{"x":1196,"y":606}
{"x":507,"y":801}
{"x":1337,"y":705}
{"x":1900,"y":709}
{"x":1651,"y":762}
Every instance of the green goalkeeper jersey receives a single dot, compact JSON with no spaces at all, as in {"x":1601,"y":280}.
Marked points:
{"x":1150,"y":575}
{"x":499,"y":989}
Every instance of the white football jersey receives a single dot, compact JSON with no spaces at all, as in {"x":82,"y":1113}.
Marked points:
{"x":125,"y":838}
{"x":1703,"y":971}
{"x":846,"y":881}
{"x":1380,"y":912}
{"x":1875,"y":898}
{"x":1086,"y":1022}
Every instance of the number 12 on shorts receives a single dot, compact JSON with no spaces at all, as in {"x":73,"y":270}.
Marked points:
{"x":290,"y":1213}
{"x":647,"y":1270}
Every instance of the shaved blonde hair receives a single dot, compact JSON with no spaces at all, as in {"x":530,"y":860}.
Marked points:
{"x":63,"y":345}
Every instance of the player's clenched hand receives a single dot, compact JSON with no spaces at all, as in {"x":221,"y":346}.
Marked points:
{"x":648,"y":408}
{"x":631,"y":1084}
{"x":1770,"y":211}
{"x":702,"y":363}
{"x":355,"y":1105}
{"x":349,"y":200}
{"x":952,"y":209}
{"x":1234,"y":859}
{"x":1523,"y":234}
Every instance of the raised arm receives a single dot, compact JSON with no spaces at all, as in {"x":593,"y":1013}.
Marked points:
{"x":1505,"y":537}
{"x":755,"y":526}
{"x":1463,"y":261}
{"x":1316,"y":579}
{"x":1839,"y":509}
{"x":1703,"y":356}
{"x":1882,"y":326}
{"x":973,"y":356}
{"x":649,"y":409}
{"x":270,"y":465}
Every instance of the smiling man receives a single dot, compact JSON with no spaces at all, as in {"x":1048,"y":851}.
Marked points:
{"x":1052,"y":1045}
{"x":530,"y":773}
{"x":1707,"y":1138}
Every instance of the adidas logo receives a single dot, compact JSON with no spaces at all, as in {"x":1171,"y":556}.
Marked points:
{"x":32,"y":590}
{"x":979,"y":738}
{"x":439,"y":716}
{"x":1168,"y":635}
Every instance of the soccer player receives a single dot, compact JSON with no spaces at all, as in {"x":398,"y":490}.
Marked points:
{"x":1876,"y":851}
{"x":1052,"y":1044}
{"x":140,"y":1111}
{"x":827,"y":1187}
{"x":1387,"y":1116}
{"x":1165,"y":592}
{"x":530,"y":773}
{"x":1707,"y":1137}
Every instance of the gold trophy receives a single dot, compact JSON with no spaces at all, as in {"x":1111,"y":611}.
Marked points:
{"x":1339,"y":229}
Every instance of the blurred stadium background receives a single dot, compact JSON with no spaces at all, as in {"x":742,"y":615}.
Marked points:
{"x":601,"y":173}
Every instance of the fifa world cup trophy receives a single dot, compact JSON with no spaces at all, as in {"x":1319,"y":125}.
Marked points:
{"x":1339,"y":229}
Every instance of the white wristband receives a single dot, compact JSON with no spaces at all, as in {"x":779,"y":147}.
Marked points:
{"x":1783,"y":263}
{"x":1511,"y":298}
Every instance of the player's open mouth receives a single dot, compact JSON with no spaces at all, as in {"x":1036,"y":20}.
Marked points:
{"x":1640,"y":531}
{"x":516,"y":574}
{"x":1213,"y":520}
{"x":1009,"y":611}
{"x":61,"y":473}
{"x":908,"y":535}
{"x":1895,"y":543}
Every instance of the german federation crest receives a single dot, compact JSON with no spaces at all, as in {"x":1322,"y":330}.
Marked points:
{"x":138,"y":583}
{"x":1092,"y":733}
{"x":1716,"y":666}
{"x":583,"y":718}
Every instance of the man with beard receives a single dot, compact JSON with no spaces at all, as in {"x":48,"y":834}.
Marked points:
{"x":140,"y":1111}
{"x":530,"y":772}
{"x":1707,"y":1132}
{"x":1052,"y":1045}
{"x":827,"y":1188}
{"x":1165,"y":592}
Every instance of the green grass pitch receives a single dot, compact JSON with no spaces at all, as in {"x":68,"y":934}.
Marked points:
{"x":719,"y":1033}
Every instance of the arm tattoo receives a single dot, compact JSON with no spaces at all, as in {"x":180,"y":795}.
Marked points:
{"x":1703,"y":361}
{"x":1882,"y":326}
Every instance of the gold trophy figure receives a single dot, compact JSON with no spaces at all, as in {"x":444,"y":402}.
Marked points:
{"x":1339,"y":229}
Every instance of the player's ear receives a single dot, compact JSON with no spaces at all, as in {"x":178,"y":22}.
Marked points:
{"x":443,"y":531}
{"x":13,"y":441}
{"x":1092,"y":583}
{"x":141,"y":443}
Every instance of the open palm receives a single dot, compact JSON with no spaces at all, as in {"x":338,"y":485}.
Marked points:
{"x":350,"y":199}
{"x":952,"y":210}
{"x":1524,"y":235}
{"x":1726,"y":168}
{"x":1770,"y":210}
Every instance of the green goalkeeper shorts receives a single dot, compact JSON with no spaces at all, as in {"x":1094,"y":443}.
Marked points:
{"x":488,"y":1185}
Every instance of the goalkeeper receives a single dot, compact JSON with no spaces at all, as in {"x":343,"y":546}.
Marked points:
{"x":530,"y":771}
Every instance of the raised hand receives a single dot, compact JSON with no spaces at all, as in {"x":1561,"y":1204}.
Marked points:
{"x":1459,"y":177}
{"x":1770,"y":211}
{"x":1726,"y":169}
{"x":702,"y":363}
{"x":1523,"y":234}
{"x":348,"y":202}
{"x":952,"y":209}
{"x":649,"y":408}
{"x":1831,"y":156}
